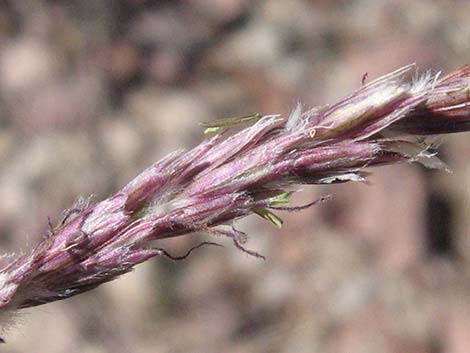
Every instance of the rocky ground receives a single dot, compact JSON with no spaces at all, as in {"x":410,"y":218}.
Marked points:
{"x":91,"y":92}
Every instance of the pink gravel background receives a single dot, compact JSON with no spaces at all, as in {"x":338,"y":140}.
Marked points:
{"x":91,"y":92}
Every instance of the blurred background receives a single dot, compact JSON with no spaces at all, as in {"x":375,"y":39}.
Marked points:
{"x":93,"y":91}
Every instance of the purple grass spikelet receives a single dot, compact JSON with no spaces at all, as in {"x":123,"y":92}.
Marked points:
{"x":228,"y":176}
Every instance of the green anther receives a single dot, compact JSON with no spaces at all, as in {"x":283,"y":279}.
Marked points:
{"x":211,"y":130}
{"x":271,"y":217}
{"x":219,"y":124}
{"x":281,"y":199}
